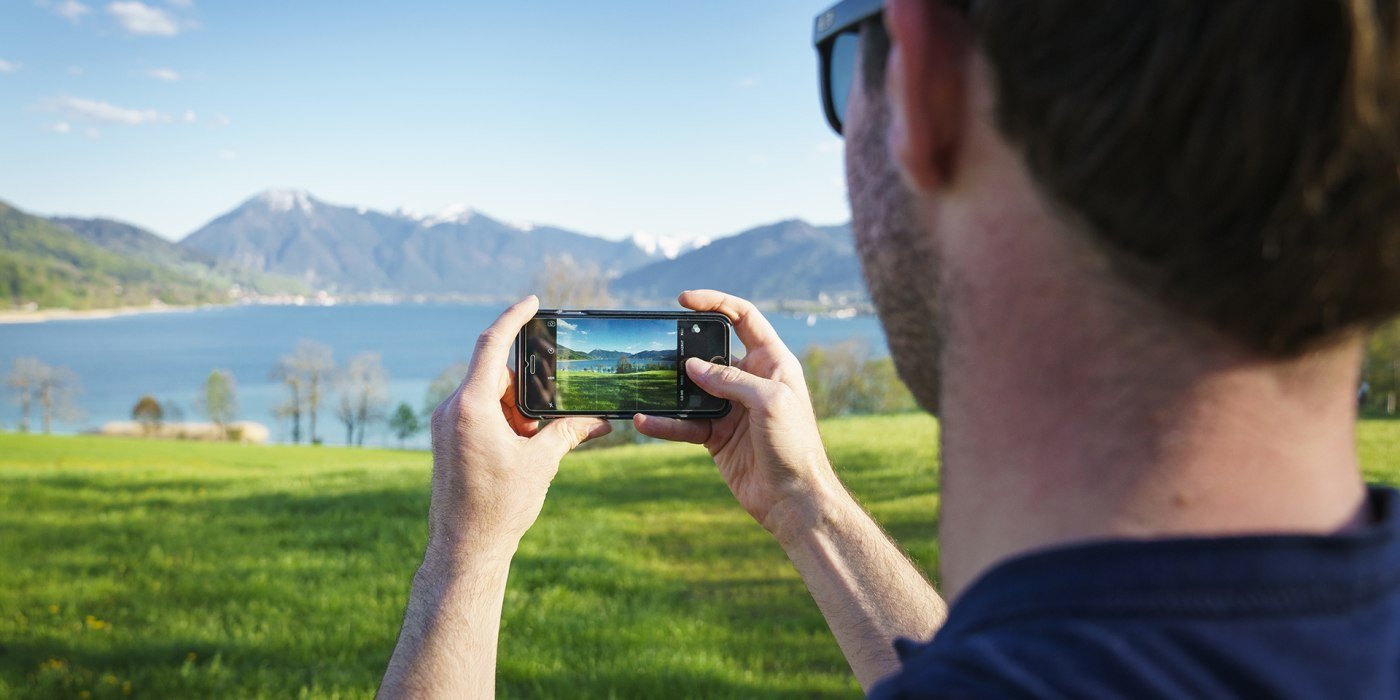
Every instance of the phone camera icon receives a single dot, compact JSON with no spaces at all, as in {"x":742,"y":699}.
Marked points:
{"x":549,"y":323}
{"x":695,"y":328}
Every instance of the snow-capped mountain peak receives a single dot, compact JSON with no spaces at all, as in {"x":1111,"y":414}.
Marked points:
{"x":669,"y":247}
{"x":287,"y":200}
{"x":451,"y":214}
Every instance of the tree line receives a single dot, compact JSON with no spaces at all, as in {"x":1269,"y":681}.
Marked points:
{"x":357,"y":394}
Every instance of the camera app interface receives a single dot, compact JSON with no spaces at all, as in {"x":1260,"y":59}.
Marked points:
{"x":590,"y":364}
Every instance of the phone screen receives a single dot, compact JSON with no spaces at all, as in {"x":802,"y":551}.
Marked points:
{"x":594,"y":363}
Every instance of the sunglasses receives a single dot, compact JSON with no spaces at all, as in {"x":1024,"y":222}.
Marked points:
{"x":836,"y":34}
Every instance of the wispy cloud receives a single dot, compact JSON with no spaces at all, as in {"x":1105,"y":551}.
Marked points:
{"x":142,"y":19}
{"x":72,"y":10}
{"x":228,"y":154}
{"x":189,"y":117}
{"x":8,"y":67}
{"x":75,"y":70}
{"x":59,"y":127}
{"x":85,"y":110}
{"x":167,"y":74}
{"x":566,"y":324}
{"x":184,"y":4}
{"x":748,"y":81}
{"x":220,"y":120}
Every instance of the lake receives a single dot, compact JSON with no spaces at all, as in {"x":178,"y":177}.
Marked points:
{"x":169,"y":355}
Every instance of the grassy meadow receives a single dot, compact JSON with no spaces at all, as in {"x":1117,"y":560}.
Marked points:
{"x":160,"y":569}
{"x":590,"y":391}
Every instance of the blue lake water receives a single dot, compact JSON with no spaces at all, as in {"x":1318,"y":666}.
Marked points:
{"x":168,"y":355}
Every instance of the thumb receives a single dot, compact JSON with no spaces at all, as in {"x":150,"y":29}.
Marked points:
{"x":562,"y":435}
{"x":729,"y":382}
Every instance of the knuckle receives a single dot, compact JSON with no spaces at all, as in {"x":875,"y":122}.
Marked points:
{"x":731,"y":375}
{"x":488,"y":338}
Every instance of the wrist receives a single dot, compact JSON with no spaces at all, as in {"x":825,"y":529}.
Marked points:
{"x":451,"y":555}
{"x":822,"y":506}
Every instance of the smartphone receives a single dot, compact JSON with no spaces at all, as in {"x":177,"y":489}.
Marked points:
{"x":615,"y":364}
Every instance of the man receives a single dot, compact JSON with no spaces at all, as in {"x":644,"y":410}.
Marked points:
{"x":1141,"y":245}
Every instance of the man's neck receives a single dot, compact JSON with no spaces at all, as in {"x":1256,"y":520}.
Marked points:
{"x":1074,"y":409}
{"x":1236,"y":453}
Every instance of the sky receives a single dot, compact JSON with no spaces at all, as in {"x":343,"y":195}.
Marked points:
{"x":671,"y":119}
{"x":633,"y":335}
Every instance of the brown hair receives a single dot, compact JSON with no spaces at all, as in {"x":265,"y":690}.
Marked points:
{"x":1236,"y":157}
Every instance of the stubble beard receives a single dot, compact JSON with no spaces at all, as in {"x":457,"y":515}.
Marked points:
{"x":898,"y":258}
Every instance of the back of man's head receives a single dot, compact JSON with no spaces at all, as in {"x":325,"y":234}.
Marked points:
{"x":1240,"y":159}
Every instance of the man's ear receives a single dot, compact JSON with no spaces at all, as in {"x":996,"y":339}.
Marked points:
{"x":925,"y":82}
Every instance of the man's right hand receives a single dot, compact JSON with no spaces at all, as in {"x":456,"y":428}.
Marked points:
{"x":767,"y":449}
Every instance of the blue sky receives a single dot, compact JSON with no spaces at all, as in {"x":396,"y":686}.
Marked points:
{"x":675,"y":119}
{"x":633,"y":335}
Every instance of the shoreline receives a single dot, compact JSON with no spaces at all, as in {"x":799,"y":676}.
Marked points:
{"x":46,"y":315}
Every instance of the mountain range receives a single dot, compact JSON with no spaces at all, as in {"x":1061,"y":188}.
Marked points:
{"x":566,"y":353}
{"x":290,"y":242}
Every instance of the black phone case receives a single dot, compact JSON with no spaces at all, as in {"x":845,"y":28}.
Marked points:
{"x":618,"y":415}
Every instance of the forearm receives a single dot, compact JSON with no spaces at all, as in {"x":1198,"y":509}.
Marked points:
{"x":447,"y":647}
{"x":867,"y":589}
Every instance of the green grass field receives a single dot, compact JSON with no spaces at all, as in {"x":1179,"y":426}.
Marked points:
{"x":155,"y":569}
{"x":594,"y":391}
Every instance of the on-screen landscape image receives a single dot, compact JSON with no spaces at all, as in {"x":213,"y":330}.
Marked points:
{"x":616,"y":364}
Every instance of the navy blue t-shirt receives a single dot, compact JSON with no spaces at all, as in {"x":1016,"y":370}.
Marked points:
{"x":1231,"y":617}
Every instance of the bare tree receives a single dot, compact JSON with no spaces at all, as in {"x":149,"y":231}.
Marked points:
{"x":23,"y":379}
{"x":345,"y":411}
{"x":306,"y":373}
{"x":219,"y":399}
{"x":364,"y":395}
{"x":56,"y":393}
{"x":564,"y":283}
{"x":292,"y":407}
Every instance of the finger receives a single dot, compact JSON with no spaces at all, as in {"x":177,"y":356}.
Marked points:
{"x":696,"y":431}
{"x":731,"y":383}
{"x":523,"y":425}
{"x":753,"y":329}
{"x":493,"y":345}
{"x":563,"y":435}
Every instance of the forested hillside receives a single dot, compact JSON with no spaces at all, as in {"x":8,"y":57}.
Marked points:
{"x":46,"y":264}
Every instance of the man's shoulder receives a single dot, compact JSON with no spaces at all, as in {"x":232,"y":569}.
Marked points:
{"x":1262,"y":616}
